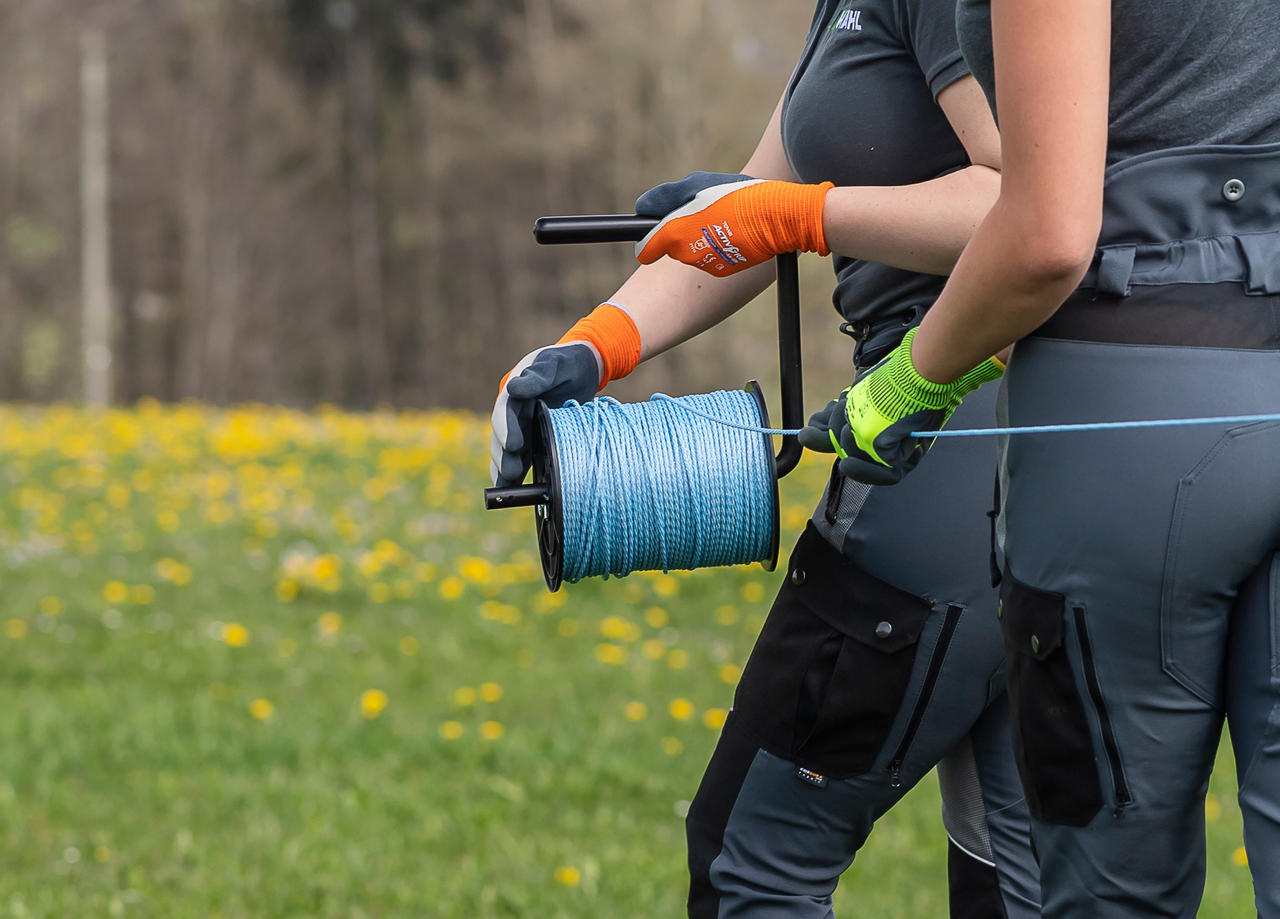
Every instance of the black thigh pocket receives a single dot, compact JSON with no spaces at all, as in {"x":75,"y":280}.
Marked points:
{"x":828,"y":672}
{"x":1051,"y":739}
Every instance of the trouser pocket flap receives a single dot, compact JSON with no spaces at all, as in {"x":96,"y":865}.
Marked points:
{"x":1051,"y":738}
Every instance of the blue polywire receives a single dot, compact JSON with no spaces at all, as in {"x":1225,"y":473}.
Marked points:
{"x":647,"y":486}
{"x":1026,"y":429}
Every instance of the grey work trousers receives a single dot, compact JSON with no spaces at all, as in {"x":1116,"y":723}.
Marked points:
{"x":878,"y":659}
{"x":1140,"y":606}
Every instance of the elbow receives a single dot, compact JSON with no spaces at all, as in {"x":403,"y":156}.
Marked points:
{"x":1059,"y":254}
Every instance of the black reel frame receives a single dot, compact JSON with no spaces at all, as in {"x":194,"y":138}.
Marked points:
{"x":543,"y":494}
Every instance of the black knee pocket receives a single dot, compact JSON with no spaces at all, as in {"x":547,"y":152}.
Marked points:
{"x":828,"y":672}
{"x":1051,"y":739}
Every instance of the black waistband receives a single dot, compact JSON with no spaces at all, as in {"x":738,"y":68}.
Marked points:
{"x":1185,"y":315}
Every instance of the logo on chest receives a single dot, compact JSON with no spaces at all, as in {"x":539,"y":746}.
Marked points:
{"x":848,"y":21}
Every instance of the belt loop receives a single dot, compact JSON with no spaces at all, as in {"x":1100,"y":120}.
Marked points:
{"x":1261,"y":253}
{"x":1115,"y":267}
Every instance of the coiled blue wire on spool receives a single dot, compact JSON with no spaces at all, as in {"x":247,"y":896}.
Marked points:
{"x":659,"y":486}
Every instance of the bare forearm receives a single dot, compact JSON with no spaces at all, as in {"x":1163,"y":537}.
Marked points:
{"x":671,"y":303}
{"x":998,"y":293}
{"x":922,"y":227}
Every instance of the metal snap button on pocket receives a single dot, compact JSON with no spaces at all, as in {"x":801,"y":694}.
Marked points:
{"x":797,"y":577}
{"x":884,"y":630}
{"x":1233,"y":190}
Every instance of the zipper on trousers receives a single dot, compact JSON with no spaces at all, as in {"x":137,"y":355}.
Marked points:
{"x":1123,"y":797}
{"x":926,"y":692}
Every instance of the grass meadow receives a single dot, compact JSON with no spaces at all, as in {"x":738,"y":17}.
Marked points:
{"x":259,"y":663}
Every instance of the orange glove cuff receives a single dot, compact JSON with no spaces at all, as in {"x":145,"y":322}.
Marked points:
{"x":615,"y":336}
{"x":787,"y":215}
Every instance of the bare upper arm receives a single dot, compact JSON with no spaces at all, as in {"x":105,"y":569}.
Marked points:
{"x":769,"y":161}
{"x":966,"y":109}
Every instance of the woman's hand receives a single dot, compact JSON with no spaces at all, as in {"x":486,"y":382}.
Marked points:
{"x":722,"y":223}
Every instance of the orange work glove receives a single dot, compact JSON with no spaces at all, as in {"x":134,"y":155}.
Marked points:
{"x":724,"y":223}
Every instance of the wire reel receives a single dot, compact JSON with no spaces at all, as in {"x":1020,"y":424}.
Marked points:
{"x":547,"y":492}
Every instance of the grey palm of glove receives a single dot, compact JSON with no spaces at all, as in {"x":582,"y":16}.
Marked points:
{"x":554,"y":374}
{"x":817,"y":434}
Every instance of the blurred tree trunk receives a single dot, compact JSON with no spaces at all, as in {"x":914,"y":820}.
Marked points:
{"x":96,"y":234}
{"x":366,"y":241}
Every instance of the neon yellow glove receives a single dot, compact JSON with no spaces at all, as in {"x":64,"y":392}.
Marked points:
{"x":887,"y":404}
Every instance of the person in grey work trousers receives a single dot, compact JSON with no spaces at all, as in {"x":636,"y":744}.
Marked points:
{"x":882,"y":654}
{"x":1134,"y":255}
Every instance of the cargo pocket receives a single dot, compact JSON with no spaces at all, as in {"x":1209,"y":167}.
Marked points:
{"x":1051,"y":739}
{"x":827,"y":676}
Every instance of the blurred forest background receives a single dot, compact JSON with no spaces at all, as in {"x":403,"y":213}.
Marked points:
{"x":301,"y":201}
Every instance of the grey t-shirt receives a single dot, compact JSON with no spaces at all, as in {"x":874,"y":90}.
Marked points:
{"x":862,"y":109}
{"x":1183,"y":72}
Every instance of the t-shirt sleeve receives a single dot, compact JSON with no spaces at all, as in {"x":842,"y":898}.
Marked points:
{"x":929,"y":30}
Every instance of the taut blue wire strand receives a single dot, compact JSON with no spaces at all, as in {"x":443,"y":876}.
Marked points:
{"x":1026,"y":429}
{"x":647,"y":486}
{"x":1098,"y":426}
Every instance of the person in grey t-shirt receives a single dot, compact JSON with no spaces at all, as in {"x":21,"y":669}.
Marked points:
{"x":881,"y":655}
{"x":1134,"y":256}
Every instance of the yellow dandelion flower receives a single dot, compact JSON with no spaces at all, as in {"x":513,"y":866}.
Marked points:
{"x":567,"y":628}
{"x":372,"y":702}
{"x":168,"y":521}
{"x":115,"y":592}
{"x":680,"y":709}
{"x":287,"y":590}
{"x":678,"y":659}
{"x":142,"y":594}
{"x":118,"y":495}
{"x":656,"y":617}
{"x":635,"y":711}
{"x":1212,"y":808}
{"x":266,"y":527}
{"x":672,"y":746}
{"x":476,"y":570}
{"x":464,"y":695}
{"x":387,"y":550}
{"x":425,"y":572}
{"x":490,"y":692}
{"x":666,"y":586}
{"x":714,"y":718}
{"x":568,"y":876}
{"x":261,"y":709}
{"x":369,"y":565}
{"x":50,"y":606}
{"x":730,"y":673}
{"x":727,"y":615}
{"x":619,"y":629}
{"x":235,"y":635}
{"x":547,"y":603}
{"x":451,"y":588}
{"x":15,"y":629}
{"x":329,"y":623}
{"x":613,"y":654}
{"x":491,"y":730}
{"x":408,"y":646}
{"x":654,"y":649}
{"x":753,"y":592}
{"x":451,"y":730}
{"x":1240,"y":858}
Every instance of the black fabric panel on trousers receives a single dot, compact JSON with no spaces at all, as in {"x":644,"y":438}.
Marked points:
{"x":1186,"y":315}
{"x":709,"y":813}
{"x":829,"y":670}
{"x":974,"y":886}
{"x":1051,"y":738}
